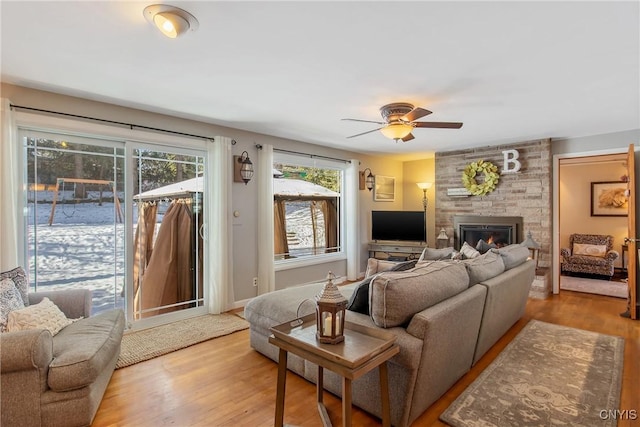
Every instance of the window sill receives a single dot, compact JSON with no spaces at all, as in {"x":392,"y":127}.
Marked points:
{"x":308,"y":261}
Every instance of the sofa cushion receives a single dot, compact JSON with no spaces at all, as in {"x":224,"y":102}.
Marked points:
{"x":359,"y":299}
{"x":513,"y":255}
{"x":396,"y":296}
{"x":469,"y":251}
{"x":435,"y":254}
{"x":589,"y":250}
{"x":44,"y":315}
{"x":82,"y":350}
{"x":10,"y":300}
{"x":375,"y":266}
{"x":19,"y":278}
{"x":484,"y":267}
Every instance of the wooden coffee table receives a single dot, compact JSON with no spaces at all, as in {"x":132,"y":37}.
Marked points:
{"x":362,"y":350}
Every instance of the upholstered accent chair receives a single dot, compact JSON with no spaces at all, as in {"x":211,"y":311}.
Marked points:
{"x":590,"y":254}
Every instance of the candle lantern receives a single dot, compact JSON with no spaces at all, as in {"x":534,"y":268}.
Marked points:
{"x":442,"y":241}
{"x":330,"y":311}
{"x":533,"y":246}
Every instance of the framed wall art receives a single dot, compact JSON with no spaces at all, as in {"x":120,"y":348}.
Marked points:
{"x":384,"y":189}
{"x":609,"y":198}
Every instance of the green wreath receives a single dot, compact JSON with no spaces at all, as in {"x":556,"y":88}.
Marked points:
{"x":491,"y":177}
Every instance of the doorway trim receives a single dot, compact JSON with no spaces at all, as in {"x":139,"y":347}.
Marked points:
{"x":555,"y":241}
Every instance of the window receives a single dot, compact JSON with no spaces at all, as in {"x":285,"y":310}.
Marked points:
{"x":308,"y":210}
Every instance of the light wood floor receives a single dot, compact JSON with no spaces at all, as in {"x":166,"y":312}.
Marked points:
{"x":223,"y":382}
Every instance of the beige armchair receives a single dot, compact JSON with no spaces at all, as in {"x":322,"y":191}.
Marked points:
{"x":59,"y":380}
{"x":590,"y":254}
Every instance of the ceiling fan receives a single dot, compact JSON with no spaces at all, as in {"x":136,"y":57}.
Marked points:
{"x":399,"y":121}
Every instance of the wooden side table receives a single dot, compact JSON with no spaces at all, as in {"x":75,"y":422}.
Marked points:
{"x":363,"y":350}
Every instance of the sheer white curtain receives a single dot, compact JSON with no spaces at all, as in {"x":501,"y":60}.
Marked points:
{"x":351,"y":197}
{"x":217,"y":264}
{"x":266,"y":271}
{"x":10,"y":248}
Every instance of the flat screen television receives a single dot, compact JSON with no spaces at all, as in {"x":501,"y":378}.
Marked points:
{"x":398,"y":225}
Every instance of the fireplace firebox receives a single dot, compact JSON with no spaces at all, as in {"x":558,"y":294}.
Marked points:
{"x":498,"y":230}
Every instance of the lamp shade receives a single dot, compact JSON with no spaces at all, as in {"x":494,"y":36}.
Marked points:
{"x":396,"y":130}
{"x":424,"y":185}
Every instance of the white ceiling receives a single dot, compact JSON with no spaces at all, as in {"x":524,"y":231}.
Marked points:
{"x":511,"y":71}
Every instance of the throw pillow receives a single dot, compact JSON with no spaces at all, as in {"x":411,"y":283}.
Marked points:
{"x":375,"y":266}
{"x":359,"y":300}
{"x":484,"y":267}
{"x":10,"y":300}
{"x":397,"y":297}
{"x":430,"y":254}
{"x":513,"y":255}
{"x":469,"y":251}
{"x":19,"y":278}
{"x":44,"y":315}
{"x":483,"y":246}
{"x":589,"y":250}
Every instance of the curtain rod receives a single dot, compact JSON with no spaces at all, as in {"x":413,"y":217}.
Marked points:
{"x":280,"y":150}
{"x":113,"y":122}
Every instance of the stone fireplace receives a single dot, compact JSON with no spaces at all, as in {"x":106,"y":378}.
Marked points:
{"x":498,"y":230}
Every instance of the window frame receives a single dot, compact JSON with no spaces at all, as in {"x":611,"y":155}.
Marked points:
{"x":321,"y":163}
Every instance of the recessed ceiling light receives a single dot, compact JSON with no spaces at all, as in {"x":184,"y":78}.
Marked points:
{"x":170,"y":20}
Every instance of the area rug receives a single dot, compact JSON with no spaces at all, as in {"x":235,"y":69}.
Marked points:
{"x":146,"y":344}
{"x":594,"y":286}
{"x":549,"y":375}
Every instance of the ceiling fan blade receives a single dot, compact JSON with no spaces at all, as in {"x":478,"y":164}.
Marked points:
{"x":442,"y":125}
{"x":408,"y":137}
{"x":364,"y":133}
{"x":415,"y":114}
{"x":365,"y":121}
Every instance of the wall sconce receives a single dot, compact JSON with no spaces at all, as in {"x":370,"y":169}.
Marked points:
{"x":330,"y":311}
{"x":533,"y":246}
{"x":170,"y":20}
{"x":366,"y":181}
{"x":242,"y":168}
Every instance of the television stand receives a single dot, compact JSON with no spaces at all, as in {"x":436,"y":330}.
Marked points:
{"x":411,"y":250}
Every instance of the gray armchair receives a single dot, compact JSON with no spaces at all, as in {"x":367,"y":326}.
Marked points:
{"x":59,"y":380}
{"x":589,"y":254}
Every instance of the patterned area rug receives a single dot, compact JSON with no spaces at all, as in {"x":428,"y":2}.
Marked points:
{"x":143,"y":345}
{"x":549,"y":375}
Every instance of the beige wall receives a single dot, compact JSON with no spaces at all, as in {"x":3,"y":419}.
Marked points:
{"x":575,"y":201}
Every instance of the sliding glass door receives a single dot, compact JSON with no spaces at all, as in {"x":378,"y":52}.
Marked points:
{"x":75,"y":234}
{"x":120,"y":218}
{"x":167,"y":223}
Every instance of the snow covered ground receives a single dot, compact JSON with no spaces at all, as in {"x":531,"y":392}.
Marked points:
{"x":83,"y":248}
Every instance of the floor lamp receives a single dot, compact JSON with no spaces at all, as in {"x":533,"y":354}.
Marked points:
{"x":424,"y":186}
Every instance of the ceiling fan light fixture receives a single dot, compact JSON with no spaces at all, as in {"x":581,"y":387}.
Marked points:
{"x":396,"y":131}
{"x":170,"y":20}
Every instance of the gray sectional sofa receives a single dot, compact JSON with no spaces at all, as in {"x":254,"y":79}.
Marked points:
{"x":445,"y":315}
